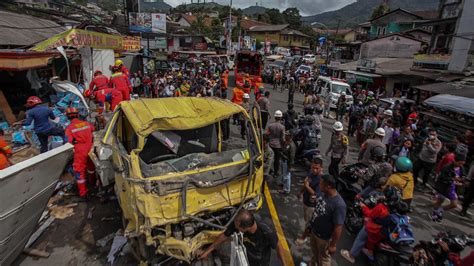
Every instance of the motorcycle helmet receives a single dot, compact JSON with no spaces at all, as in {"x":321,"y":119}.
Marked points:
{"x":403,"y":164}
{"x":309,"y":110}
{"x":393,"y":196}
{"x":33,"y":101}
{"x":308,"y":120}
{"x":377,"y":154}
{"x":337,"y":126}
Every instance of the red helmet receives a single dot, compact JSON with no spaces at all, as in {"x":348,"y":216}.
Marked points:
{"x":32,"y":101}
{"x":97,"y":72}
{"x":72,"y":112}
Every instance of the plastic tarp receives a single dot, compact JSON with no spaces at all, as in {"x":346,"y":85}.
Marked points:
{"x":446,"y":102}
{"x":67,"y":86}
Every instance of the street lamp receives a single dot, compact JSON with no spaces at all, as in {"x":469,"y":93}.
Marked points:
{"x":230,"y":29}
{"x":327,"y":36}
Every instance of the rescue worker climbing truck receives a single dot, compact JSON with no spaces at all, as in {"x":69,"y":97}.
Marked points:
{"x":179,"y":184}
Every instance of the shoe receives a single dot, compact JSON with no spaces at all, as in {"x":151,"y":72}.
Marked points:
{"x":346,"y":255}
{"x":282,"y":191}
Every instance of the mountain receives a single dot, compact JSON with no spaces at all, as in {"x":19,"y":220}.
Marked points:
{"x":361,"y":10}
{"x":253,"y":10}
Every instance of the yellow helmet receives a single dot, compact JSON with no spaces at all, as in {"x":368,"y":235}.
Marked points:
{"x":118,"y":62}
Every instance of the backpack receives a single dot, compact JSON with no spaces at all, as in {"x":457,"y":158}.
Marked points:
{"x":311,"y":140}
{"x":402,"y":232}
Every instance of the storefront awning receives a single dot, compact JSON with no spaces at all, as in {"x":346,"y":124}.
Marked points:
{"x":364,"y":74}
{"x":18,"y":60}
{"x":463,"y":88}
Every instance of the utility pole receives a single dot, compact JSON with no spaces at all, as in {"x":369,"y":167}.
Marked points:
{"x":229,"y":50}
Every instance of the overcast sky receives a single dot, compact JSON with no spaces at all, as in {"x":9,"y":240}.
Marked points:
{"x":306,"y":7}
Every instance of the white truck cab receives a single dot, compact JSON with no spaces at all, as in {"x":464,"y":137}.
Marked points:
{"x":334,"y":87}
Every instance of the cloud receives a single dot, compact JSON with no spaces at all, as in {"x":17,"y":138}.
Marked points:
{"x":306,"y":7}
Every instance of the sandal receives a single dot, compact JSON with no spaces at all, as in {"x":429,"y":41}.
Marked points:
{"x":346,"y":255}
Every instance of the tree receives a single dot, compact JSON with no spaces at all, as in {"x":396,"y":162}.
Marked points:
{"x":275,"y":16}
{"x":380,"y":10}
{"x":292,"y":16}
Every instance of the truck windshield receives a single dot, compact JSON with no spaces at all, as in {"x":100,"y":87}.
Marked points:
{"x":184,"y":150}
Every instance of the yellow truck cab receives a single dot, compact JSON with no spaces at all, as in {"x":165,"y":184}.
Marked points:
{"x":178,"y":183}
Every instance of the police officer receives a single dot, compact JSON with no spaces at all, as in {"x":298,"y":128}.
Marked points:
{"x":338,"y":148}
{"x":276,"y":133}
{"x":79,"y":133}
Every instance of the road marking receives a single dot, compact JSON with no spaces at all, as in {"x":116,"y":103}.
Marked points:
{"x":276,"y":221}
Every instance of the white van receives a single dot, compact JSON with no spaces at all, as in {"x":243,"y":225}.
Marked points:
{"x":334,"y":88}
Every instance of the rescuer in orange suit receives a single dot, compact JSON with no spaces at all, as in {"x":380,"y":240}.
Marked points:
{"x":111,"y":96}
{"x":122,"y":67}
{"x":225,"y":83}
{"x":237,"y":98}
{"x":5,"y":152}
{"x":99,"y":82}
{"x":120,"y":81}
{"x":79,"y":133}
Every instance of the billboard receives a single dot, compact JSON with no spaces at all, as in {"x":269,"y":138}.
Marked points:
{"x":147,"y":22}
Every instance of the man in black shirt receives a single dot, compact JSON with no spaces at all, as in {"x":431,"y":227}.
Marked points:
{"x":259,"y":239}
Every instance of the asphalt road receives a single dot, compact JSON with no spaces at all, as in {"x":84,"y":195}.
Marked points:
{"x":290,"y":209}
{"x":71,"y":241}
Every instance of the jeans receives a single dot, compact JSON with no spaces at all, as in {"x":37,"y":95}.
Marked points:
{"x":43,"y":137}
{"x":359,"y":242}
{"x":264,"y":116}
{"x":351,"y":129}
{"x":285,"y":177}
{"x":427,"y":168}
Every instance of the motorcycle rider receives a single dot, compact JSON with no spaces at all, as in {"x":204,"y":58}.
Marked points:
{"x":366,"y":148}
{"x":403,"y":178}
{"x":378,"y":168}
{"x":310,"y":110}
{"x":290,"y":117}
{"x":338,"y":148}
{"x":79,"y":133}
{"x":308,"y":136}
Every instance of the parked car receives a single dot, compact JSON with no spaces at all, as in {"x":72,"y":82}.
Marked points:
{"x":390,"y":102}
{"x":282,"y":51}
{"x":334,"y":88}
{"x":174,"y":66}
{"x":309,"y":58}
{"x":177,"y":182}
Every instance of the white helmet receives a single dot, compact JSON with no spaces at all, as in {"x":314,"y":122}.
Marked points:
{"x":278,"y":113}
{"x":370,"y":93}
{"x":388,"y":112}
{"x":338,"y":126}
{"x":343,"y":93}
{"x":246,"y":96}
{"x":380,"y":132}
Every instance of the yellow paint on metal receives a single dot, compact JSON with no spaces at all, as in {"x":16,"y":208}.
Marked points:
{"x":276,"y":221}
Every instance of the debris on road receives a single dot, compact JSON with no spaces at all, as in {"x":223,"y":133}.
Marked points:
{"x":89,"y":214}
{"x":38,"y":232}
{"x":107,"y":219}
{"x":103,"y":241}
{"x":117,"y":245}
{"x":62,"y":212}
{"x":36,"y":253}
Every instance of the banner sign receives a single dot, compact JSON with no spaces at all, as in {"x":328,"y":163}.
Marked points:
{"x":81,"y":38}
{"x":131,"y":44}
{"x":147,"y":22}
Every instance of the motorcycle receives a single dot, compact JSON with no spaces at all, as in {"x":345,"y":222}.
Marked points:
{"x":388,"y":254}
{"x":305,"y":155}
{"x":347,"y":184}
{"x":443,"y":247}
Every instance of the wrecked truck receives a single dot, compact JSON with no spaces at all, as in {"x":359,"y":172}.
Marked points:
{"x":178,"y":182}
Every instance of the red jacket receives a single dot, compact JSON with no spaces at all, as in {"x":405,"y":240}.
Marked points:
{"x":100,"y":82}
{"x":379,"y":211}
{"x":116,"y":97}
{"x":121,"y":82}
{"x":448,"y":158}
{"x":125,"y":71}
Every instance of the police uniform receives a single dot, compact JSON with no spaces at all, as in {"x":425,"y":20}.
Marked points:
{"x":338,"y":148}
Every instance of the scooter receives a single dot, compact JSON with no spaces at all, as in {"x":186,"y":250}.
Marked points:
{"x":347,"y":185}
{"x":389,"y":254}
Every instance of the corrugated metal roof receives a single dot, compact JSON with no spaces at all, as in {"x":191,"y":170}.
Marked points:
{"x":24,"y":30}
{"x":269,"y":27}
